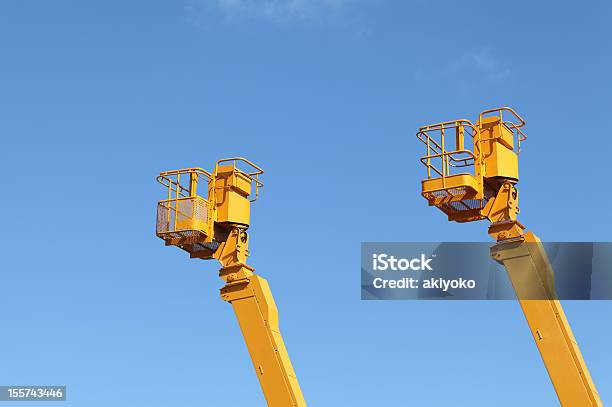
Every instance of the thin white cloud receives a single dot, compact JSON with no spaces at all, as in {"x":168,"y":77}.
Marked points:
{"x":481,"y":63}
{"x":278,"y":10}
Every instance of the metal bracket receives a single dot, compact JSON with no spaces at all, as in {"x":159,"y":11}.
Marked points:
{"x":502,"y":211}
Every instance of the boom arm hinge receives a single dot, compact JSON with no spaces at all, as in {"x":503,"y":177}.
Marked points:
{"x":502,"y":211}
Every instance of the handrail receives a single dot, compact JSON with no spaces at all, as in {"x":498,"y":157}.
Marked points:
{"x":437,"y":126}
{"x":511,"y":125}
{"x":184,"y":198}
{"x":451,"y":155}
{"x":166,"y":174}
{"x":465,"y":162}
{"x":253,"y":175}
{"x":172,"y":179}
{"x":174,"y":185}
{"x":500,"y":109}
{"x":449,"y":158}
{"x":444,"y":157}
{"x":258,"y":170}
{"x":424,"y":130}
{"x":186,"y":170}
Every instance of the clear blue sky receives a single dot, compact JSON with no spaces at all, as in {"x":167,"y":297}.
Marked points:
{"x":97,"y":97}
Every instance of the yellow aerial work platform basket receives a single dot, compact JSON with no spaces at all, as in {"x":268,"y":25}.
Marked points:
{"x":466,"y":162}
{"x":183,"y":218}
{"x":196,"y":224}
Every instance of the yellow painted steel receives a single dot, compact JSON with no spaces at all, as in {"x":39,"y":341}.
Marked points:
{"x":215,"y":228}
{"x":476,"y":181}
{"x":532,"y":277}
{"x":463,"y":176}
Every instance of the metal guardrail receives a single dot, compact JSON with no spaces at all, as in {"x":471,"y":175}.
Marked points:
{"x":183,"y":214}
{"x":252,"y":171}
{"x":459,"y":157}
{"x":513,"y":125}
{"x":435,"y":137}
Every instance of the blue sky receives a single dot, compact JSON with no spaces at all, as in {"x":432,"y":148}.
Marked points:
{"x":97,"y":98}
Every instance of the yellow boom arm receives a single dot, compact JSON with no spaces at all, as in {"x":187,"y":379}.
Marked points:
{"x":532,"y":278}
{"x":215,"y":228}
{"x":472,"y":178}
{"x":257,"y":315}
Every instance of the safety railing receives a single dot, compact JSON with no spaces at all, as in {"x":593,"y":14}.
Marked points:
{"x":247,"y":168}
{"x":514,"y":125}
{"x":184,"y":214}
{"x":184,"y":209}
{"x":441,"y":161}
{"x":183,"y":183}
